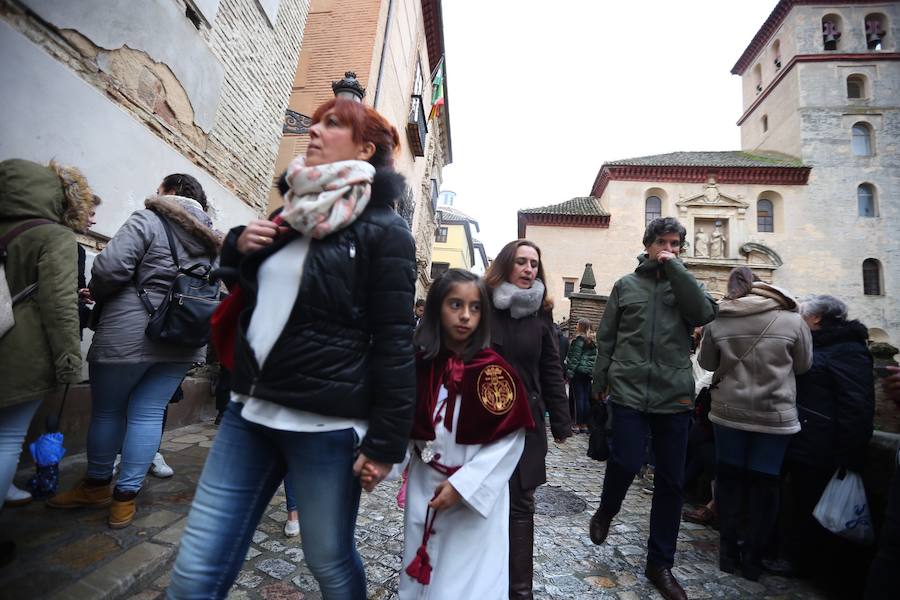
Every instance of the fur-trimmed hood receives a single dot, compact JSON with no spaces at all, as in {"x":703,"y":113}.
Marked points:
{"x":29,"y":190}
{"x":197,"y":237}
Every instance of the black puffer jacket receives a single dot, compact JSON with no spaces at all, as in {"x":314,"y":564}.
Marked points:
{"x":347,"y":349}
{"x":836,"y":400}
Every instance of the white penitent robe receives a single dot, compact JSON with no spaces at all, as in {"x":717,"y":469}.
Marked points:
{"x":469,"y":548}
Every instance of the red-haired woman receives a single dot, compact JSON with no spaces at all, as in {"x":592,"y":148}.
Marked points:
{"x":324,"y":377}
{"x":522,"y":333}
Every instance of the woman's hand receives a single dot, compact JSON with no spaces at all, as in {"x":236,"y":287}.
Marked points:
{"x":84,"y":294}
{"x":370,"y":472}
{"x":445,"y":496}
{"x":257,"y":235}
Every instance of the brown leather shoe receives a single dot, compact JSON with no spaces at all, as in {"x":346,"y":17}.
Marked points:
{"x":663,"y":580}
{"x":121,"y":513}
{"x":600,"y":526}
{"x":83,"y":495}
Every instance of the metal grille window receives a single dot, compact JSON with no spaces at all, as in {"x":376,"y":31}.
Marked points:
{"x":568,"y":288}
{"x":440,"y":235}
{"x":871,"y":277}
{"x":765,"y":216}
{"x":862,"y":140}
{"x":865,"y":200}
{"x":652,"y":208}
{"x":438,"y":269}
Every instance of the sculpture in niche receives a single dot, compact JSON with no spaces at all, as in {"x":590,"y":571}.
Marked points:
{"x":717,"y":243}
{"x":701,"y":244}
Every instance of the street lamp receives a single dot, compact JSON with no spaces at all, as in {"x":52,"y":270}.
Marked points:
{"x":349,"y":87}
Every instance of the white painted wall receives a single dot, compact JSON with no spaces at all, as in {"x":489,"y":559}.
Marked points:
{"x":50,"y":113}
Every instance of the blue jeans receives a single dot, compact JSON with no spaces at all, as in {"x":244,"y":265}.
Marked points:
{"x":669,"y":432}
{"x":581,"y":389}
{"x":128,"y":402}
{"x":751,"y":450}
{"x":14,"y":421}
{"x":245,"y":466}
{"x":290,"y":500}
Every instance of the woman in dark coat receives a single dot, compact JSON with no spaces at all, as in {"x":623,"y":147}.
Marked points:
{"x":836,"y":405}
{"x":324,"y":372}
{"x":522,"y":333}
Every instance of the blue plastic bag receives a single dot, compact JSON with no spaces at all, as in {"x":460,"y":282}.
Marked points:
{"x":47,"y":451}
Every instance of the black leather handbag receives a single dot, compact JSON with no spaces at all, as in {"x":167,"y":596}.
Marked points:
{"x":598,"y":443}
{"x":182,"y":318}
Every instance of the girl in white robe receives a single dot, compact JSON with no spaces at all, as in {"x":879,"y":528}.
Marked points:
{"x":459,"y":471}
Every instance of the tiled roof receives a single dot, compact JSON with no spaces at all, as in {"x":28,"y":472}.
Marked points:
{"x":586,"y":205}
{"x":451,"y":215}
{"x":731,"y":158}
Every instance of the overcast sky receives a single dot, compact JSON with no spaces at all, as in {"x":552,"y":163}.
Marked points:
{"x":542,"y":93}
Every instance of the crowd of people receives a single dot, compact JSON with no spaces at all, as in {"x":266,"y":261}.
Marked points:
{"x":330,"y":384}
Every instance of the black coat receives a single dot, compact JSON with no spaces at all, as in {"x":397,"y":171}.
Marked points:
{"x":836,"y":400}
{"x":531,"y":346}
{"x":346,"y":350}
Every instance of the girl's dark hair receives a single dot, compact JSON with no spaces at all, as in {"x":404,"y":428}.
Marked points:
{"x":740,"y":282}
{"x":428,"y":334}
{"x":502,"y":266}
{"x":186,"y":186}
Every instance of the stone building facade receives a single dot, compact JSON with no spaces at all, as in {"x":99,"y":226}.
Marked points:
{"x":132,"y":91}
{"x":394,"y":47}
{"x":812,"y":200}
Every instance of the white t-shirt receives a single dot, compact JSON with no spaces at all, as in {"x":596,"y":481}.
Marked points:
{"x":279,"y":283}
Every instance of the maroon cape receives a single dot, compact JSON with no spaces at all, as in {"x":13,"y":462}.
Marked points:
{"x":494,"y":401}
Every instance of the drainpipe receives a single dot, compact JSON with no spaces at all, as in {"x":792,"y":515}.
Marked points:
{"x":384,"y":45}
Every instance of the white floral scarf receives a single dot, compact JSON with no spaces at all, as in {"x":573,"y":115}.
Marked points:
{"x":326,"y":198}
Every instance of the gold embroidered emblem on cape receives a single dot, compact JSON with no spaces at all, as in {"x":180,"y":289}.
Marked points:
{"x":496,"y":389}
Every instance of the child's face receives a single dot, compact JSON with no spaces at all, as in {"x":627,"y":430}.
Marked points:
{"x":460,"y":315}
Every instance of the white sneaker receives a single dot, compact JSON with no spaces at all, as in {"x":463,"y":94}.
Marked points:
{"x":16,"y":496}
{"x":159,"y":468}
{"x":291,"y":528}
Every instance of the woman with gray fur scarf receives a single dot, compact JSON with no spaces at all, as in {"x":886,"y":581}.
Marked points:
{"x":133,"y":377}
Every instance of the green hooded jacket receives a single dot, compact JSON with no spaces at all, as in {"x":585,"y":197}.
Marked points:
{"x":581,"y":357}
{"x":644,"y":338}
{"x":42,"y":350}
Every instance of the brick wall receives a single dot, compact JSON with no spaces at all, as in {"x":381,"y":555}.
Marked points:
{"x":586,"y":306}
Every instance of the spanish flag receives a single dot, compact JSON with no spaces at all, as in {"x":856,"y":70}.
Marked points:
{"x":437,"y":90}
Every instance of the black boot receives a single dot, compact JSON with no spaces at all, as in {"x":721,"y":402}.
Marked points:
{"x":762,"y":511}
{"x":521,"y":548}
{"x":729,"y":496}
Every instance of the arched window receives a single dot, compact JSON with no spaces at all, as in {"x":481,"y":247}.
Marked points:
{"x":865,"y":200}
{"x":856,"y":87}
{"x":876,"y":28}
{"x":862,"y":140}
{"x":776,"y":52}
{"x":831,"y":31}
{"x":652,"y":208}
{"x":757,"y":78}
{"x":765,"y":123}
{"x":871,"y":277}
{"x":765,"y":216}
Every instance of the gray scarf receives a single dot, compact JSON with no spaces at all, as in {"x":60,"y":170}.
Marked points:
{"x":520,"y":303}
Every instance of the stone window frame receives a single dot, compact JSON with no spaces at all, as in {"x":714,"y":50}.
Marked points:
{"x":872,"y":277}
{"x":861,"y":82}
{"x":569,"y":286}
{"x":871,"y":200}
{"x":862,"y":139}
{"x":765,"y":221}
{"x":438,"y":269}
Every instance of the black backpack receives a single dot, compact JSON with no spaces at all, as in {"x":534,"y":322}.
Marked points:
{"x":182,"y":318}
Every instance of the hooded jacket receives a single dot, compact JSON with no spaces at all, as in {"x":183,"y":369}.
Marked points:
{"x":644,"y":337}
{"x":42,"y":350}
{"x":836,"y":400}
{"x":581,"y":357}
{"x":756,"y":392}
{"x":346,"y":350}
{"x":139,"y":253}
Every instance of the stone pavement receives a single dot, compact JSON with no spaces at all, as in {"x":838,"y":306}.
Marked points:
{"x":74,"y":555}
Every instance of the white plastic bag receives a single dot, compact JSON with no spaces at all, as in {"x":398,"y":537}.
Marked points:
{"x":843,"y":509}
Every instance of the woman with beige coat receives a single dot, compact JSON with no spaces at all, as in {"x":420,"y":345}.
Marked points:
{"x":756,"y":346}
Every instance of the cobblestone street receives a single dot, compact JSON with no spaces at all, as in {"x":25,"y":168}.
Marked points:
{"x":74,"y":555}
